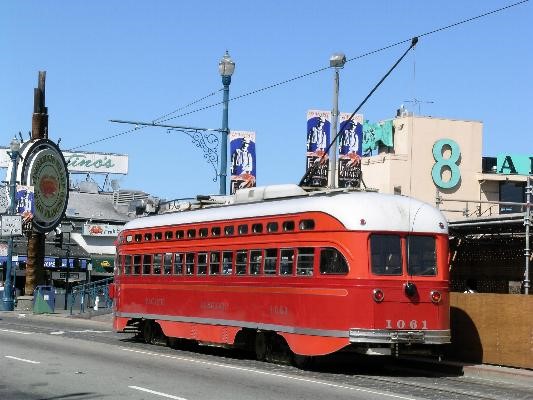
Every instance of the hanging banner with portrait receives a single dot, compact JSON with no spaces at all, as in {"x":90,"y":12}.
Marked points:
{"x":243,"y":160}
{"x":318,"y":139}
{"x":350,"y":150}
{"x":25,"y":201}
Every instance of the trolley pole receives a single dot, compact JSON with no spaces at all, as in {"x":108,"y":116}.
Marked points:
{"x":527,"y":223}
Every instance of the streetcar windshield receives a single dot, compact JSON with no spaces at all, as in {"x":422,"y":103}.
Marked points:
{"x":422,"y":259}
{"x":386,"y":254}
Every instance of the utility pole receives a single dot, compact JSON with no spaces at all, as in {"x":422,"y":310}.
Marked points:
{"x":36,"y":240}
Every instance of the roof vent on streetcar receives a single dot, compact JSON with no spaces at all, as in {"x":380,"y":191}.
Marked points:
{"x":410,"y":289}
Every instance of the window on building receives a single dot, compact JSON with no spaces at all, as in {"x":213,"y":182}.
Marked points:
{"x":189,"y":263}
{"x":271,"y":260}
{"x":137,"y":265}
{"x":307,"y":224}
{"x":178,"y":263}
{"x":305,"y":261}
{"x":421,"y":256}
{"x":156,"y":270}
{"x":227,"y":262}
{"x":214,"y":263}
{"x":127,"y":265}
{"x":286,"y":266}
{"x":202,"y":263}
{"x":147,"y":264}
{"x":386,"y":254}
{"x":512,"y":192}
{"x":256,"y":257}
{"x":288,"y":226}
{"x":167,"y":264}
{"x":240,"y":262}
{"x":272,"y":227}
{"x":332,"y":262}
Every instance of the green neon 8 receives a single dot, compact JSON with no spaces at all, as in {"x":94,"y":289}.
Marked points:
{"x":446,"y":163}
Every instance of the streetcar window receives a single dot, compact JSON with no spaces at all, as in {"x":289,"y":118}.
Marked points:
{"x":229,"y":230}
{"x":240,"y":262}
{"x":214,"y":263}
{"x":157,"y":265}
{"x":272,"y":227}
{"x":180,"y":234}
{"x":167,"y":264}
{"x":189,"y":263}
{"x":168,"y":235}
{"x":305,"y":261}
{"x":137,"y":265}
{"x":215,"y":231}
{"x":147,"y":264}
{"x":421,"y":256}
{"x":257,"y":228}
{"x":256,"y":257}
{"x":332,"y":262}
{"x":138,"y":237}
{"x":202,"y":263}
{"x":286,"y":261}
{"x":243,"y":229}
{"x":288,"y":226}
{"x":129,"y":239}
{"x":191,"y":233}
{"x":386,"y":254}
{"x":147,"y":237}
{"x":178,"y":263}
{"x":227,"y":262}
{"x":158,"y":235}
{"x":307,"y":224}
{"x":127,"y":265}
{"x":203,"y":232}
{"x":271,"y":259}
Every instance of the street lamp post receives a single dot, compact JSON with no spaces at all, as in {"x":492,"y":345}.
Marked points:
{"x":226,"y":66}
{"x":8,"y":300}
{"x":336,"y":61}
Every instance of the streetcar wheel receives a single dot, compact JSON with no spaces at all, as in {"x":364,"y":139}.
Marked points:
{"x":261,"y":346}
{"x":148,"y":332}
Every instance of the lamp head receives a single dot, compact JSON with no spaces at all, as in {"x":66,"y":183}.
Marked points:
{"x":226,"y":66}
{"x":14,"y":146}
{"x":337,"y":60}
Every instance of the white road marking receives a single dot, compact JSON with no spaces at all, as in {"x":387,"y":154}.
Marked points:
{"x":88,"y":331}
{"x":57,"y":333}
{"x":12,"y":331}
{"x":168,"y":396}
{"x":23,"y":360}
{"x":277,"y":375}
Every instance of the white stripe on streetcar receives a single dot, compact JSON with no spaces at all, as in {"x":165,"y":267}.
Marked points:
{"x":168,"y":396}
{"x":277,"y":375}
{"x":12,"y":331}
{"x":23,"y":360}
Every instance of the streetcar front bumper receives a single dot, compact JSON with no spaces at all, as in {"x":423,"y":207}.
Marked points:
{"x":399,"y":336}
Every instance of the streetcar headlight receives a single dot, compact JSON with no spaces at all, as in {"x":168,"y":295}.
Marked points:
{"x":378,"y":295}
{"x":435,"y":296}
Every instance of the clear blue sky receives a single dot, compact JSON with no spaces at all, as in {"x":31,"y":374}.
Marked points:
{"x":138,"y":60}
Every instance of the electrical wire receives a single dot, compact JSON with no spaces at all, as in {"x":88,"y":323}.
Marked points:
{"x":166,"y":117}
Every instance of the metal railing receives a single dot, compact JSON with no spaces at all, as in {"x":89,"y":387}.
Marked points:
{"x":93,"y":295}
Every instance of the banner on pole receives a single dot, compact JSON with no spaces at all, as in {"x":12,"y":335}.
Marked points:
{"x":350,"y":150}
{"x":318,"y":139}
{"x":243,"y":160}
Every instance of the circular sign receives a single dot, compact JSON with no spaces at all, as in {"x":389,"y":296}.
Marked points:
{"x":45,"y":169}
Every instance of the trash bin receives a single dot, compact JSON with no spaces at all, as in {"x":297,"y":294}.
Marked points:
{"x":44,"y":299}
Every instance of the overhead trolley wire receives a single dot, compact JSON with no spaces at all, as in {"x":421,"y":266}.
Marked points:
{"x":167,"y":117}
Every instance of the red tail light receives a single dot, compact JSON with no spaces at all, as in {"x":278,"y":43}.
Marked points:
{"x":378,"y":295}
{"x":435,"y":296}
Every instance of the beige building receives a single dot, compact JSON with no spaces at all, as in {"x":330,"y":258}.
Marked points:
{"x":440,"y":161}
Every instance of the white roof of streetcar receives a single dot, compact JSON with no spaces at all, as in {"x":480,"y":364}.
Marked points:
{"x":356,"y":210}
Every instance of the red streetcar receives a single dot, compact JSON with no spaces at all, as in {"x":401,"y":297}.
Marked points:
{"x":280,"y":267}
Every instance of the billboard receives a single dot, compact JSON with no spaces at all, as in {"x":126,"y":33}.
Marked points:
{"x":318,"y":139}
{"x":243,"y":160}
{"x":350,"y":150}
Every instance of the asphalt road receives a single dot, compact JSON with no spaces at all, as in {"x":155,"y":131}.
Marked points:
{"x":45,"y":357}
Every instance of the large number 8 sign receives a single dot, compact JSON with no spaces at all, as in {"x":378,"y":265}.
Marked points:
{"x":449,"y":163}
